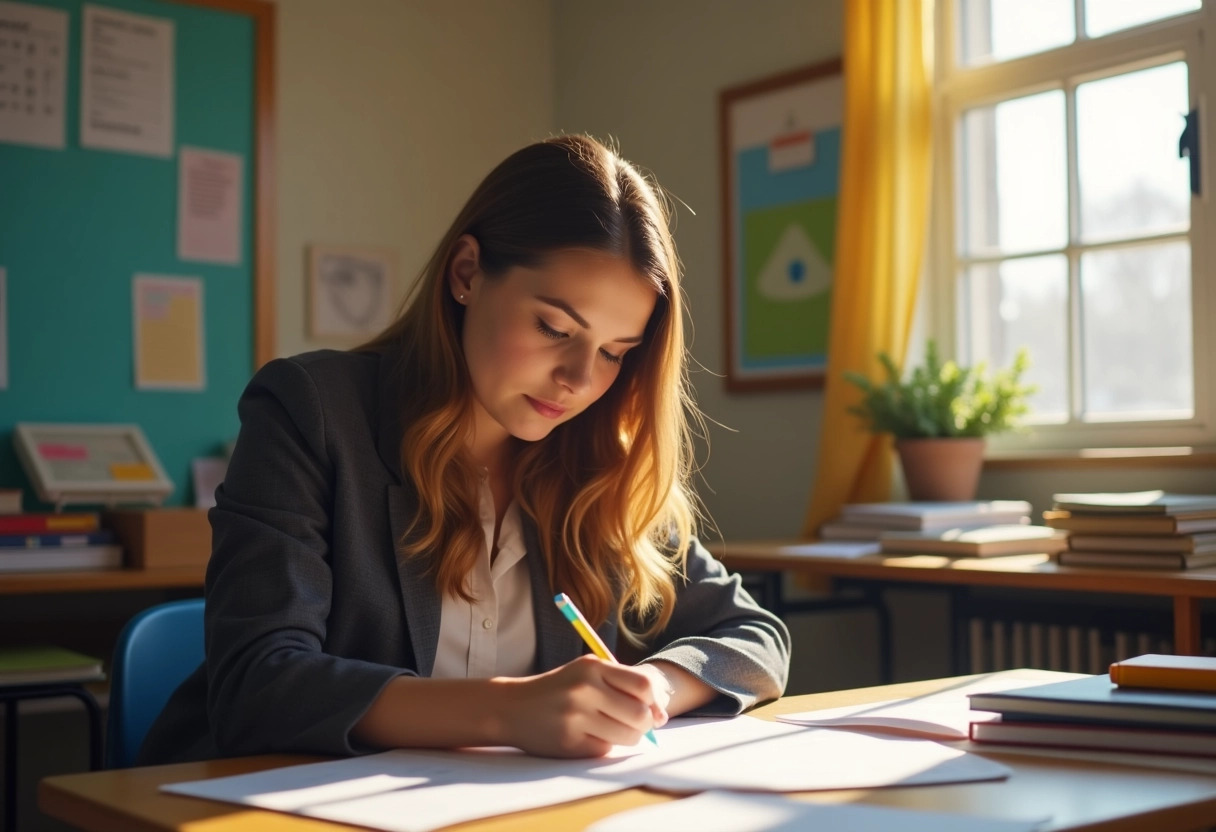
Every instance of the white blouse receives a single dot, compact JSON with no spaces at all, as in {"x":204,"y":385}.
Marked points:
{"x":495,"y":635}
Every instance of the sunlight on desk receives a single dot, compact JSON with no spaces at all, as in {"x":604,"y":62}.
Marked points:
{"x":1003,"y":563}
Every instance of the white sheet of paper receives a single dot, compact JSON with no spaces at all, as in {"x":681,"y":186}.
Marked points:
{"x":417,"y":791}
{"x":945,"y":715}
{"x":817,"y":759}
{"x":209,"y":189}
{"x":832,"y":549}
{"x":126,"y":82}
{"x":730,"y":812}
{"x":33,"y":68}
{"x":206,"y":474}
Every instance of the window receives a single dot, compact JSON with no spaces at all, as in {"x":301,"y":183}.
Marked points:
{"x":1064,"y":219}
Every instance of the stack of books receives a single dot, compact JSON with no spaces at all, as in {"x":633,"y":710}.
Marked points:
{"x":1159,"y":704}
{"x":868,"y":521}
{"x":33,"y":542}
{"x":1142,"y":529}
{"x":980,"y":528}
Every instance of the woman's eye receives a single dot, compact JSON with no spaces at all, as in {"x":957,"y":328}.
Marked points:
{"x":615,"y":359}
{"x":548,"y":331}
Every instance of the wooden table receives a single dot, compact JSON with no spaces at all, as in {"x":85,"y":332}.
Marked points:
{"x":100,"y":580}
{"x":1076,"y":795}
{"x":1186,"y":589}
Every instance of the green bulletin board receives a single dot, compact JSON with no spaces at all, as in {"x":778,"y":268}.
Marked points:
{"x":77,"y":224}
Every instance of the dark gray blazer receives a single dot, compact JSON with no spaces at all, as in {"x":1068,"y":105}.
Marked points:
{"x":310,"y":612}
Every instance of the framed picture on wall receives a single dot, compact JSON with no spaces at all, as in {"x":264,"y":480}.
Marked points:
{"x":779,"y":144}
{"x":352,"y":292}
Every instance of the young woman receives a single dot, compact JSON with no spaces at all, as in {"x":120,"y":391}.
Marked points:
{"x":396,"y":519}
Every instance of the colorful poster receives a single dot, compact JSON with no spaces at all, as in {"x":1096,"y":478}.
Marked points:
{"x":169,"y":345}
{"x":782,"y":159}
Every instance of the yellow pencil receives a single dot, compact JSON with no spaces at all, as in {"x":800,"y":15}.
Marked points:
{"x":590,"y":636}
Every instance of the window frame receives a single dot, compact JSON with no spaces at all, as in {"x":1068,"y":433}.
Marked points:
{"x":960,"y":88}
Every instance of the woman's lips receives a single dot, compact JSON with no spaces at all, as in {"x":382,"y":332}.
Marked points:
{"x":549,"y":411}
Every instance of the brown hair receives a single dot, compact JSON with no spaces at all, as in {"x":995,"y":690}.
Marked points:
{"x":608,"y":491}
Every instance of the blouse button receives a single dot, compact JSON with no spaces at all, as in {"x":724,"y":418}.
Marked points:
{"x":487,"y":624}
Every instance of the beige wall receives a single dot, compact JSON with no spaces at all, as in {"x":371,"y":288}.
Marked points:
{"x":389,"y":113}
{"x":648,"y":74}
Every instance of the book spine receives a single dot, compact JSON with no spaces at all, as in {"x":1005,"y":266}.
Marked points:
{"x":37,"y":541}
{"x":1164,"y":678}
{"x":43,"y":523}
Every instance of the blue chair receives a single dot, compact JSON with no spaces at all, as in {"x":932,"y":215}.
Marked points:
{"x":156,"y":651}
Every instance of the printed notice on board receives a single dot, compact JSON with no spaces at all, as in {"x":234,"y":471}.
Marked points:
{"x":33,"y":65}
{"x":209,"y":206}
{"x":126,"y":82}
{"x":168,"y":333}
{"x":3,"y":330}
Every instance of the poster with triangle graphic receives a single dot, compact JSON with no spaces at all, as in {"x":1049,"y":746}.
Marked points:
{"x":780,"y":148}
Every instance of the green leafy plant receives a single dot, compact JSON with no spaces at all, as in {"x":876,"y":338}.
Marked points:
{"x":943,"y":399}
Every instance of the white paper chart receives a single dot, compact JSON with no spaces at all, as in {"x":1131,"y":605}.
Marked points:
{"x":33,"y":64}
{"x":126,"y":82}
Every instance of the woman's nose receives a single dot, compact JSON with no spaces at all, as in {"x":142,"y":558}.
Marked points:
{"x":574,"y":372}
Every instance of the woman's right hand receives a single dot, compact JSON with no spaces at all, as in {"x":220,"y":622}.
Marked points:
{"x":580,"y":709}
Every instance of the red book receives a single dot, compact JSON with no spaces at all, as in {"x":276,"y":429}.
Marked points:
{"x":40,"y":523}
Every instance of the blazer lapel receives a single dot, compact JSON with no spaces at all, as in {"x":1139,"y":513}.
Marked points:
{"x":556,"y":641}
{"x":418,"y":594}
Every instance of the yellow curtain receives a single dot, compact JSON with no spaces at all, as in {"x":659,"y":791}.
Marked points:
{"x":880,"y":235}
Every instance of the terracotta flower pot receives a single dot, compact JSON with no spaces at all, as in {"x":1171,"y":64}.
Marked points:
{"x":941,"y":469}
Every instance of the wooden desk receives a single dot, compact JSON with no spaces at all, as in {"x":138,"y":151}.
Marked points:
{"x":100,"y":580}
{"x":1089,"y":795}
{"x":1021,"y":571}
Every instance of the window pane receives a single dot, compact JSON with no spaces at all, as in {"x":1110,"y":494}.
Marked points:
{"x":1023,"y":303}
{"x":1136,"y":319}
{"x":1105,"y":16}
{"x":999,"y":30}
{"x":1132,"y":180}
{"x":1013,"y":176}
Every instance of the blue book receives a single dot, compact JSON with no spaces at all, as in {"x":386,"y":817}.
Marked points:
{"x":34,"y":541}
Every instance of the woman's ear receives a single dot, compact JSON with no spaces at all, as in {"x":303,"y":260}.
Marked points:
{"x":463,"y":266}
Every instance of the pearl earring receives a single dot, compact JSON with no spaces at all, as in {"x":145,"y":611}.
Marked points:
{"x":461,"y":298}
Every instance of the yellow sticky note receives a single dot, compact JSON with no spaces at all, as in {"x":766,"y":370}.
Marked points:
{"x":131,"y":471}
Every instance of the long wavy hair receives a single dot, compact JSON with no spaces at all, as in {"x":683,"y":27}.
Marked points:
{"x":609,"y":490}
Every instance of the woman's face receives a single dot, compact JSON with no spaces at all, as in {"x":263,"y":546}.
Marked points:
{"x":542,"y":344}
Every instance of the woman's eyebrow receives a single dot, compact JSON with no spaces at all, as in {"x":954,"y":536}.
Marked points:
{"x":558,"y":303}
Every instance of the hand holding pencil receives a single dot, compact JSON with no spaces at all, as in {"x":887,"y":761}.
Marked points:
{"x":589,"y":636}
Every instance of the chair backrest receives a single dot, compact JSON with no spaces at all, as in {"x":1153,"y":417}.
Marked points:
{"x":156,"y":651}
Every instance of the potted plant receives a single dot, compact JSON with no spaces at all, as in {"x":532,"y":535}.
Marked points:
{"x":940,"y":415}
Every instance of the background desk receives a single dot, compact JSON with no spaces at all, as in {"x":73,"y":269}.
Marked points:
{"x":1095,"y":796}
{"x":1186,"y":589}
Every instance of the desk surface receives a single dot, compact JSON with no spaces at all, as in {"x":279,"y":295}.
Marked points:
{"x":1024,"y":571}
{"x":1096,"y":796}
{"x":100,"y":580}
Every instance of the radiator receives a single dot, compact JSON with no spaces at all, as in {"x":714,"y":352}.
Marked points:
{"x":1000,"y":644}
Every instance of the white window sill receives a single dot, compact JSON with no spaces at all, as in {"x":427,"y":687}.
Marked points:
{"x":1165,"y":457}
